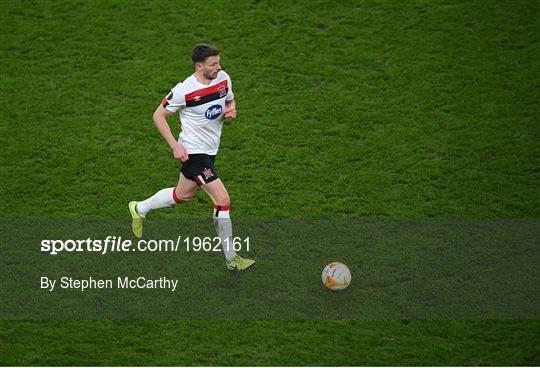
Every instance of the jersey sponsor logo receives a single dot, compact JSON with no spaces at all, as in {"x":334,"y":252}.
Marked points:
{"x":213,"y":112}
{"x":170,"y":96}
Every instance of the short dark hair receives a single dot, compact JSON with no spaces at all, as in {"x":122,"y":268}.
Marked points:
{"x":203,"y":51}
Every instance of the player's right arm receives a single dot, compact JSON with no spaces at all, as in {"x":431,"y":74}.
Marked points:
{"x":173,"y":102}
{"x":160,"y":120}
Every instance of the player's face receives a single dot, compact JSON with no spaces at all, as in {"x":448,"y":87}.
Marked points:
{"x":211,"y":67}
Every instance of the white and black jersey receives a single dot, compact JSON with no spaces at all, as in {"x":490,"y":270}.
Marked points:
{"x":202,"y":108}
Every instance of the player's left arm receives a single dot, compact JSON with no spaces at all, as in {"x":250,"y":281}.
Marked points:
{"x":230,"y":109}
{"x":230,"y":104}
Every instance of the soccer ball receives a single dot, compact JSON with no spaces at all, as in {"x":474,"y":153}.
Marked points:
{"x":336,"y":276}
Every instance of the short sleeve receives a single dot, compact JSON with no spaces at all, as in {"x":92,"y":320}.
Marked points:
{"x":230,"y":93}
{"x":175,"y":99}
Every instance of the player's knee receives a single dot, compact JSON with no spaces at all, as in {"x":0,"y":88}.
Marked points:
{"x":223,"y":200}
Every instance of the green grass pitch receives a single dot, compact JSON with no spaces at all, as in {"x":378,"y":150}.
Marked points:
{"x":346,"y":110}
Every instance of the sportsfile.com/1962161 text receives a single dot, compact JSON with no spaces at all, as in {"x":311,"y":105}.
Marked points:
{"x":120,"y":244}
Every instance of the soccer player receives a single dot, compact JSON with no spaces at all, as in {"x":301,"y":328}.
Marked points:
{"x":203,"y":100}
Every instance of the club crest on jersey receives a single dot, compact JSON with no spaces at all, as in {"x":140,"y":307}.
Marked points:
{"x":208,"y":173}
{"x":222,"y":91}
{"x":213,"y":112}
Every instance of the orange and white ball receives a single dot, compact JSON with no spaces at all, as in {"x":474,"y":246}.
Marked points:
{"x":336,"y":276}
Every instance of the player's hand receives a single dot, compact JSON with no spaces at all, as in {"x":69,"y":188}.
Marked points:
{"x":180,"y":153}
{"x":230,"y":114}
